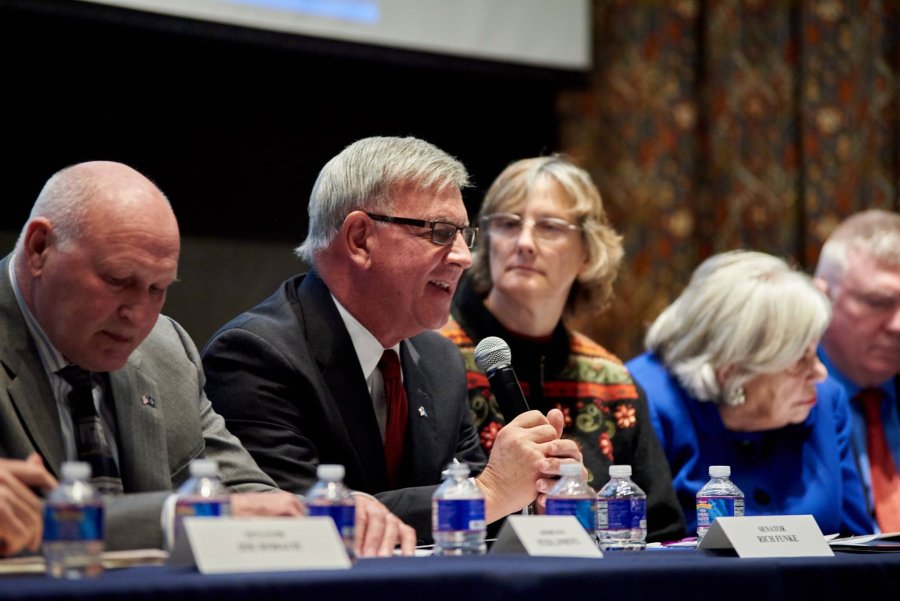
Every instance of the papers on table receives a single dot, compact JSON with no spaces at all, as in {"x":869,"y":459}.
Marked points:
{"x":34,"y":564}
{"x":870,"y":543}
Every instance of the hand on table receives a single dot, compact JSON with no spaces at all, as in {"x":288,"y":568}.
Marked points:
{"x":21,"y":514}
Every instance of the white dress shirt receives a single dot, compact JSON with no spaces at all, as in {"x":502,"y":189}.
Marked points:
{"x":369,"y":352}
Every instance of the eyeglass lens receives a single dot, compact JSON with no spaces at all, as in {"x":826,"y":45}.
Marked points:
{"x":547,"y":228}
{"x":443,"y":233}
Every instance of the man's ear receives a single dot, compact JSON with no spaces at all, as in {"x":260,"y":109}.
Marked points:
{"x":356,"y":236}
{"x":822,"y":285}
{"x":37,"y":241}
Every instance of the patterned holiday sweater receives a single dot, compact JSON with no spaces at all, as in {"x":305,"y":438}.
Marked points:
{"x":605,"y":411}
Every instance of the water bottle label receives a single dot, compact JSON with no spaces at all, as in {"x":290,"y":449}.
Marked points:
{"x":582,"y":509}
{"x":213,"y":508}
{"x":710,"y":508}
{"x":344,"y":517}
{"x":460,"y":514}
{"x":621,"y":514}
{"x":73,"y":523}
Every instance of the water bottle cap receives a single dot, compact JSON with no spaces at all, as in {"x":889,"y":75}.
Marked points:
{"x":204,"y":468}
{"x":719,"y":471}
{"x":457,"y":469}
{"x":76,"y":470}
{"x":330,"y":472}
{"x":620,"y":471}
{"x":570,"y":469}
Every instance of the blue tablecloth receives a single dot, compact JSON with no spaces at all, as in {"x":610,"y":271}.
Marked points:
{"x":666,"y":574}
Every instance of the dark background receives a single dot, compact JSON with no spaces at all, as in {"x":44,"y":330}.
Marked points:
{"x":233,"y":124}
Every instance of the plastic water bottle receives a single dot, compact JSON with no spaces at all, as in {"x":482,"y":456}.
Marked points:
{"x":329,"y":497}
{"x":457,"y":514}
{"x":73,"y":525}
{"x":621,"y":512}
{"x":718,"y":498}
{"x":202,"y":495}
{"x":572,"y":496}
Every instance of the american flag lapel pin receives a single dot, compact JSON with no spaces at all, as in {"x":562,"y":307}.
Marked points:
{"x":148,"y":401}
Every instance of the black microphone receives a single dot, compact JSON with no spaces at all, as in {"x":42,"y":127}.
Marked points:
{"x":495,"y":359}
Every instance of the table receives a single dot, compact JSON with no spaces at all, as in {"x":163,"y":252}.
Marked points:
{"x":663,"y":574}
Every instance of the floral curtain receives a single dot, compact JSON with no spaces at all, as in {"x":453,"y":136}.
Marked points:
{"x":711,"y":125}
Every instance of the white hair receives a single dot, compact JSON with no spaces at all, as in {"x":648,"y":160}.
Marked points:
{"x":743,"y":309}
{"x":875,"y":232}
{"x":363,"y":176}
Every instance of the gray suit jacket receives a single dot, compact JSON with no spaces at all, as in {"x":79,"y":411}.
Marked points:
{"x":156,"y":441}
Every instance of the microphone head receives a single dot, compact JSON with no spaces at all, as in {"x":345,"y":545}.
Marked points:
{"x":492,"y":352}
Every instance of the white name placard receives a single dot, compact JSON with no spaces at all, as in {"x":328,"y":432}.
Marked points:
{"x":227,"y":545}
{"x":768,"y":536}
{"x":545,"y":536}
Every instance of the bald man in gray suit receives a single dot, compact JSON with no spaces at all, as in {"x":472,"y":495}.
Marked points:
{"x":84,"y":287}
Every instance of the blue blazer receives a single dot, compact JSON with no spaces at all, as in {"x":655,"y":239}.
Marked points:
{"x":803,"y":468}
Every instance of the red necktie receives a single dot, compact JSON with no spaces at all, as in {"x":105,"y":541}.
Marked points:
{"x":885,"y":480}
{"x":397,"y":412}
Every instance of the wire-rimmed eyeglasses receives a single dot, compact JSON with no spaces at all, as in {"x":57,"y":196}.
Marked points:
{"x":442,"y":232}
{"x":510,"y":225}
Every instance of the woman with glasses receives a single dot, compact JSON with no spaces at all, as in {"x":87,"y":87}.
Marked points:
{"x":545,"y":250}
{"x":732,"y":377}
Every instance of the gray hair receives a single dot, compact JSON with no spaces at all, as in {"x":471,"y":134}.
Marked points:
{"x":363,"y":176}
{"x":875,"y":232}
{"x":594,"y":287}
{"x":743,"y":309}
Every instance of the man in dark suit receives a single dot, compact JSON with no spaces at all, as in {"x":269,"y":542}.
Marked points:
{"x":859,"y":268}
{"x":297,"y":378}
{"x":83,"y":291}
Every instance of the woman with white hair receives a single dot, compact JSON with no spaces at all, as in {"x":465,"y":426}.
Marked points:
{"x":733,"y":378}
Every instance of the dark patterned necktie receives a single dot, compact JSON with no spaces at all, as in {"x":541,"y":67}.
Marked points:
{"x":90,"y":434}
{"x":398,"y":410}
{"x":885,"y":480}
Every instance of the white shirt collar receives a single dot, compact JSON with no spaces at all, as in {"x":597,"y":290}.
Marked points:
{"x":51,"y":358}
{"x":367,"y":347}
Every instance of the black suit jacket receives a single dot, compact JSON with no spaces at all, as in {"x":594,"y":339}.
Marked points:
{"x":287,"y":380}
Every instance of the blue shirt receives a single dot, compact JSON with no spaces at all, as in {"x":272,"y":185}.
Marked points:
{"x":803,"y":468}
{"x":890,"y":420}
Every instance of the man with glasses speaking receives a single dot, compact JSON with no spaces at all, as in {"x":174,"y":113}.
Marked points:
{"x":339,"y":365}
